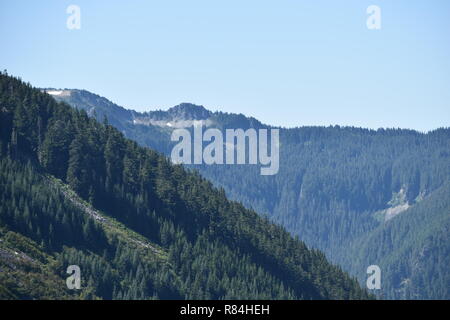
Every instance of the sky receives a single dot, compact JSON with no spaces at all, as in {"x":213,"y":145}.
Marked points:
{"x":287,"y":63}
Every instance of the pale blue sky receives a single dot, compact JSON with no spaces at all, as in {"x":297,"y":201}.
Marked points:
{"x":288,"y":63}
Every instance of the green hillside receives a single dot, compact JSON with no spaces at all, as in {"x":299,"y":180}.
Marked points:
{"x":76,"y":192}
{"x":337,"y":189}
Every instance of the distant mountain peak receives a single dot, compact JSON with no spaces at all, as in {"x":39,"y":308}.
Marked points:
{"x":184,"y":111}
{"x":180,"y":116}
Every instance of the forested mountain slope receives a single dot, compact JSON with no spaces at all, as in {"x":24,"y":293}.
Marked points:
{"x":336,"y":188}
{"x":413,"y":250}
{"x":77,"y":192}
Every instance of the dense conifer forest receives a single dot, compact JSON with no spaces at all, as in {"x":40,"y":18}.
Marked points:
{"x":361,"y":196}
{"x":74,"y":191}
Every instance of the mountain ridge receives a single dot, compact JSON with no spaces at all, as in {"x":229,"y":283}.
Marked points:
{"x":161,"y":114}
{"x":214,"y":248}
{"x":335,"y":184}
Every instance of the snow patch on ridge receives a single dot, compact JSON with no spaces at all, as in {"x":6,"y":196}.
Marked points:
{"x":171,"y":124}
{"x":58,"y":92}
